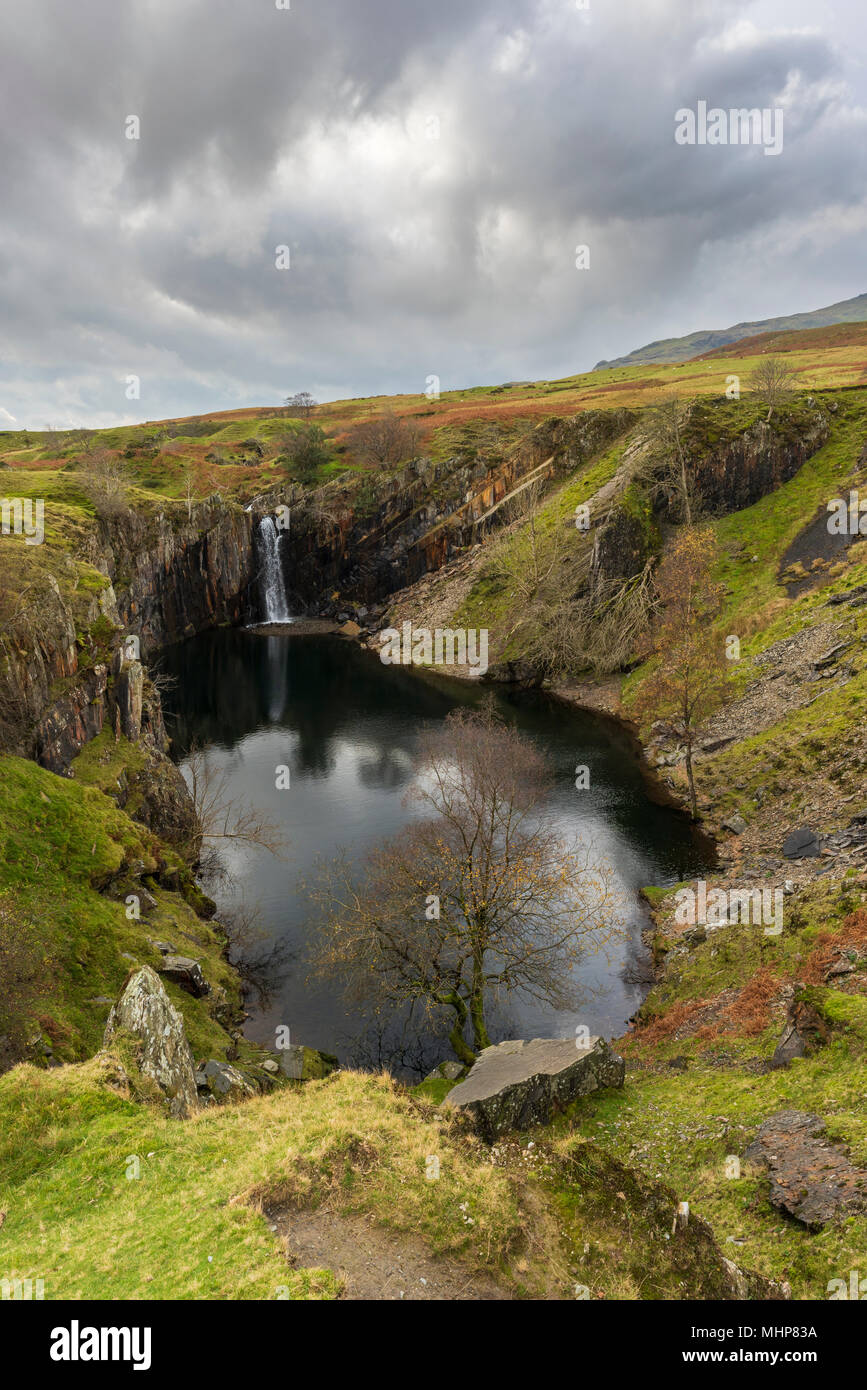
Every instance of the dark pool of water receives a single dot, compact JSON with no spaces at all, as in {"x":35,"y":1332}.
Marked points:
{"x":347,"y":727}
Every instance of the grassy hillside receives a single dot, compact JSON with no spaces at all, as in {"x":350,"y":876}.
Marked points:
{"x":191,"y":1226}
{"x":221,"y":451}
{"x":585,"y":1204}
{"x":70,"y":861}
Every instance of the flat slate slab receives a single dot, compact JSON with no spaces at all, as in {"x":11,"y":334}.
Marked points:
{"x":518,"y":1084}
{"x":803,"y":843}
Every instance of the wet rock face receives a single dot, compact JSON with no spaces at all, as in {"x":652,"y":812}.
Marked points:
{"x":67,"y":724}
{"x":519,"y":1084}
{"x":621,"y":548}
{"x":738,"y":472}
{"x":811,"y":1179}
{"x":145,"y":1010}
{"x":176,"y":577}
{"x":367,"y":547}
{"x":128,"y":695}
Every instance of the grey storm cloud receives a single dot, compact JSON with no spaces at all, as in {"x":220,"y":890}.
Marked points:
{"x":431,"y":168}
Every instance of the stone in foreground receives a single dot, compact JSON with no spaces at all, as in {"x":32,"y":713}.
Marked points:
{"x":518,"y":1084}
{"x":145,"y":1010}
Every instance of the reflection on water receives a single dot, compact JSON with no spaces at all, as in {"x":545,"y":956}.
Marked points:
{"x":347,"y":728}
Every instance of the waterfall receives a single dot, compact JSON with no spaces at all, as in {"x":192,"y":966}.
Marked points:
{"x":275,"y":607}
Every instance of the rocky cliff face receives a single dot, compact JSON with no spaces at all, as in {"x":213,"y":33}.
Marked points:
{"x":364,"y":542}
{"x":734,"y":470}
{"x":70,"y":671}
{"x":176,"y":575}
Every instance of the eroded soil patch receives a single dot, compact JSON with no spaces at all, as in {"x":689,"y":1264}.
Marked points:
{"x":376,"y":1263}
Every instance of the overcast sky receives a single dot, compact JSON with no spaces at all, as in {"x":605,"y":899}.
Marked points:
{"x":431,"y":165}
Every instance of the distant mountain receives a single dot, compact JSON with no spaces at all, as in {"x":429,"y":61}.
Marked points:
{"x":696,"y":344}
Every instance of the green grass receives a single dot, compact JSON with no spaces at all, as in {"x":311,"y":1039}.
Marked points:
{"x":681,"y":1129}
{"x":491,"y":603}
{"x":189,"y":1226}
{"x":66,"y":873}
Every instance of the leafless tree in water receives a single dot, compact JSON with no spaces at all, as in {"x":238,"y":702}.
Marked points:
{"x":224,"y":819}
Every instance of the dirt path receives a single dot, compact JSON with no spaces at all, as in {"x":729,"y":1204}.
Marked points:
{"x":376,"y":1263}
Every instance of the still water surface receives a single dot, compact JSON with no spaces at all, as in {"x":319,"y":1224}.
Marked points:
{"x":347,"y":727}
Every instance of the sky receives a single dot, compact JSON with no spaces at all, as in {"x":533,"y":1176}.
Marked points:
{"x":209,"y":204}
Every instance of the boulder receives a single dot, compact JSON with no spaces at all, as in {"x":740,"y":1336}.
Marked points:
{"x":145,"y":1011}
{"x":187,"y":973}
{"x":812,"y":1180}
{"x":805,"y":1030}
{"x":518,"y":1084}
{"x":224,"y":1082}
{"x":736,"y":824}
{"x":446,"y":1071}
{"x":300,"y":1063}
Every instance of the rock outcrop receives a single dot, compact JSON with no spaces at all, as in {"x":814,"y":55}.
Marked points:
{"x":145,"y":1011}
{"x":177,"y":573}
{"x":224,"y":1082}
{"x":187,"y":973}
{"x":804,"y":1031}
{"x":366,"y":542}
{"x":299,"y":1063}
{"x":733,"y":468}
{"x":810,"y":1178}
{"x":518,"y":1084}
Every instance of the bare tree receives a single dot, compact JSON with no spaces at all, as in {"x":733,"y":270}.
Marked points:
{"x":666,"y":461}
{"x":301,"y":404}
{"x":688,"y":682}
{"x":531,"y":554}
{"x":385,"y":439}
{"x":602,"y":630}
{"x":773,"y":382}
{"x":223,"y":818}
{"x":106,"y":482}
{"x":481,"y":898}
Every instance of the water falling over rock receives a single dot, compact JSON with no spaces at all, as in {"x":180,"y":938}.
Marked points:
{"x":272,"y":588}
